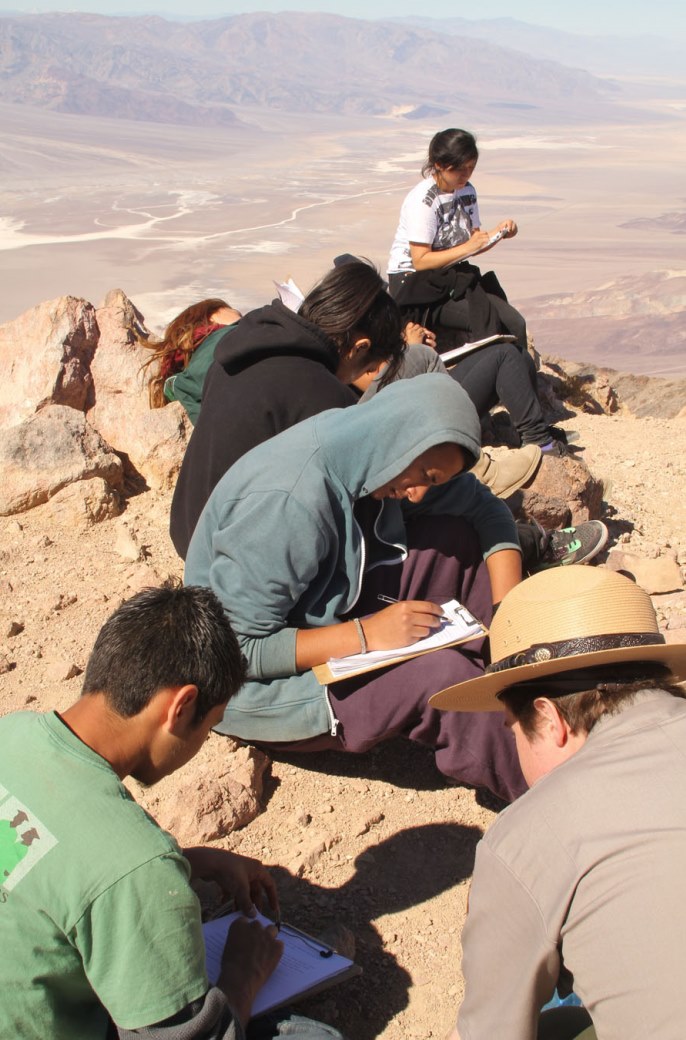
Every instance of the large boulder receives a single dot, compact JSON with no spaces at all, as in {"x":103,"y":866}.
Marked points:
{"x":216,"y":793}
{"x":45,"y":356}
{"x":50,"y":450}
{"x":657,"y":576}
{"x":153,"y":441}
{"x":563,"y":492}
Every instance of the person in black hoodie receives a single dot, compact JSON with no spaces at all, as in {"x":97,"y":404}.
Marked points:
{"x":276,"y":368}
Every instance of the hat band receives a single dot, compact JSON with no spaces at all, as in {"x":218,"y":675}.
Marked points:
{"x":537,"y":653}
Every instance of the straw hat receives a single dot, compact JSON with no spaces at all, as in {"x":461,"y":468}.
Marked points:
{"x":559,"y":620}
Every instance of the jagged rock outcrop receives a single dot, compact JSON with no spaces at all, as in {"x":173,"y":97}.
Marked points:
{"x":45,"y":355}
{"x":73,"y":407}
{"x":605,"y":390}
{"x":583,"y":387}
{"x":152,"y":440}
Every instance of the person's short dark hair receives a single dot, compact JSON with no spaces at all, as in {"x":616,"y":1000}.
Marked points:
{"x":351,"y":302}
{"x":164,"y":637}
{"x":605,"y":694}
{"x":450,"y":149}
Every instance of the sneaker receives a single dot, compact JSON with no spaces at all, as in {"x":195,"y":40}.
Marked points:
{"x":556,"y":449}
{"x":563,"y":436}
{"x":573,"y":545}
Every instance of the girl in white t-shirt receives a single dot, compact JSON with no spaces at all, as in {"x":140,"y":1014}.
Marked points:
{"x":441,"y":215}
{"x":440,"y":227}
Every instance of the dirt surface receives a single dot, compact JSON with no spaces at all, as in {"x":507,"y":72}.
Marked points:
{"x":378,"y":842}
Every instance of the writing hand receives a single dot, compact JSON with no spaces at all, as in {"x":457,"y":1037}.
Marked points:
{"x":401,"y":624}
{"x":251,"y":954}
{"x":508,"y":228}
{"x":479,"y":239}
{"x":240,"y":878}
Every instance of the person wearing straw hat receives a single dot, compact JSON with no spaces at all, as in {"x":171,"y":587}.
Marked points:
{"x":580,"y":882}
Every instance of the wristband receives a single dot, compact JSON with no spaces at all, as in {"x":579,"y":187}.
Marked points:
{"x":360,"y":632}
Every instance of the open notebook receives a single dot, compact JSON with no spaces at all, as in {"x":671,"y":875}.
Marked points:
{"x":467,"y":348}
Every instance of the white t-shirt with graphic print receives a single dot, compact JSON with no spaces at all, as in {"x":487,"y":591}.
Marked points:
{"x":431,"y":217}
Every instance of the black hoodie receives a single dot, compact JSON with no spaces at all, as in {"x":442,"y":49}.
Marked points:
{"x":270,"y":371}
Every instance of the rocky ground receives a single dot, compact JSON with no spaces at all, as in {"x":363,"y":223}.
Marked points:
{"x":379,"y":841}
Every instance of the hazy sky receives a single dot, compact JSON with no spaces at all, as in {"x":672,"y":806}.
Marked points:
{"x":620,"y":17}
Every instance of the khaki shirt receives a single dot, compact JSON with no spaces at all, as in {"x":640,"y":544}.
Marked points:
{"x":588,"y":866}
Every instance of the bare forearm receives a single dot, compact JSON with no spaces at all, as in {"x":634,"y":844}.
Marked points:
{"x":314,"y":646}
{"x":505,"y":571}
{"x":250,"y":956}
{"x":401,"y":624}
{"x":239,"y":996}
{"x":433,"y":259}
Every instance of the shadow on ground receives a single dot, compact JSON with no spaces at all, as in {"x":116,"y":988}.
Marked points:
{"x":411,"y":867}
{"x":398,"y":762}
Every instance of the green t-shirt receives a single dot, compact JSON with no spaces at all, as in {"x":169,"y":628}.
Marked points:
{"x":95,"y":904}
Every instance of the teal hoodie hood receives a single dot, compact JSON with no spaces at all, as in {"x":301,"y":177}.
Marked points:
{"x":279,"y":543}
{"x":379,"y":439}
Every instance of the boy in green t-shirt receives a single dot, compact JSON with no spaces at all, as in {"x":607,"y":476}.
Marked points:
{"x":95,"y":901}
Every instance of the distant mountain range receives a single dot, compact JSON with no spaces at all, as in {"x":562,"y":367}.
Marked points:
{"x":625,"y":56}
{"x":633,"y":324}
{"x":215,"y":72}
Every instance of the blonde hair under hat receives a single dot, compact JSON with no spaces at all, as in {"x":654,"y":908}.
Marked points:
{"x":560,"y":620}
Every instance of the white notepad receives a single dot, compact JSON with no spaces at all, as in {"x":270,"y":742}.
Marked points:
{"x":306,"y":967}
{"x":458,"y":625}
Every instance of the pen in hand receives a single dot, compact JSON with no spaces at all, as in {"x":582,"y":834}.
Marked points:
{"x":389,"y":599}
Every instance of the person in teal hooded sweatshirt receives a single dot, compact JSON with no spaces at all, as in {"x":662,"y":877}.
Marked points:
{"x":305,"y":533}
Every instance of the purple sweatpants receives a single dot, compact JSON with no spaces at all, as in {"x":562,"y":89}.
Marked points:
{"x":444,"y":562}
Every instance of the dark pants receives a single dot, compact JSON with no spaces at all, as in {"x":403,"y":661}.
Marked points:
{"x":533,"y":541}
{"x":444,"y":562}
{"x":501,"y":373}
{"x":563,"y":1023}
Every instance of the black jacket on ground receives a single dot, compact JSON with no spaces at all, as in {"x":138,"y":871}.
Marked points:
{"x":270,"y":371}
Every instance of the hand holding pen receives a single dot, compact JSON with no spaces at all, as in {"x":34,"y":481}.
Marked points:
{"x":250,"y":955}
{"x":401,"y":623}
